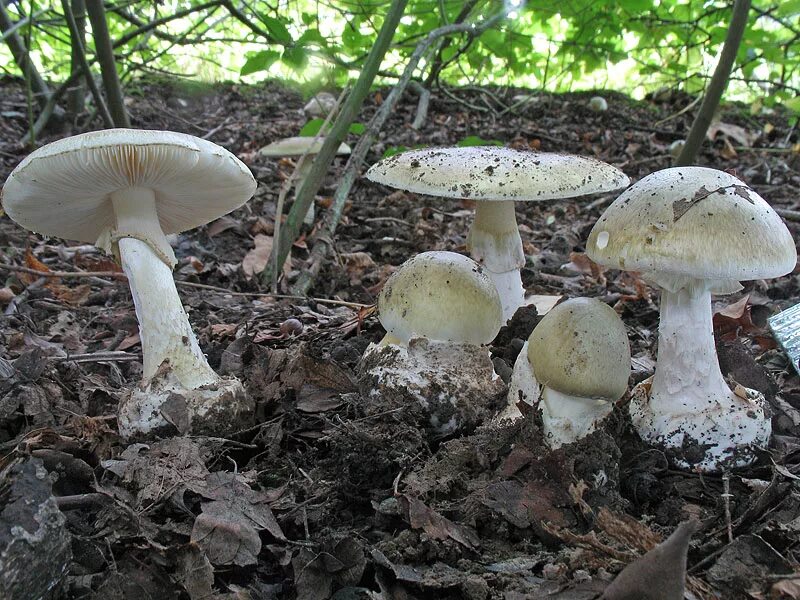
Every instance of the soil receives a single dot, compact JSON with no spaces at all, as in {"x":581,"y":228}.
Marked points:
{"x":326,"y":496}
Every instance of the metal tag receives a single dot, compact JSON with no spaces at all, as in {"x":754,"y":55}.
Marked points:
{"x":785,"y":327}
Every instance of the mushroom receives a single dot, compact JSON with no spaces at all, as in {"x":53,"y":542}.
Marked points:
{"x":694,"y":231}
{"x":598,"y":104}
{"x":496,"y":177}
{"x":296,"y":147}
{"x":320,"y":105}
{"x":441,"y":296}
{"x":439,"y":310}
{"x":576,"y":363}
{"x":125,"y":189}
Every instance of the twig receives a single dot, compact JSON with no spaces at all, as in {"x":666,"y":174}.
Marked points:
{"x":298,"y":169}
{"x":91,"y":357}
{"x":13,"y":306}
{"x":62,"y":274}
{"x":789,"y":215}
{"x":202,"y":286}
{"x":81,"y":500}
{"x":726,"y":499}
{"x":355,"y":100}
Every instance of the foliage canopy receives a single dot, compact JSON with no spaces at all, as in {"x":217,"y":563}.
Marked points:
{"x":629,"y":45}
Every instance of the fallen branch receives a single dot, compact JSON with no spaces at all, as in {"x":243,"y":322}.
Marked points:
{"x":324,"y":240}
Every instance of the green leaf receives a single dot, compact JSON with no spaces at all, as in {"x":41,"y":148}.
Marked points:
{"x":312,"y":36}
{"x":793,"y":104}
{"x":357,"y":128}
{"x":260,"y":61}
{"x":277,"y":29}
{"x":475,"y":140}
{"x":392,"y":150}
{"x":311,"y":128}
{"x":296,"y":58}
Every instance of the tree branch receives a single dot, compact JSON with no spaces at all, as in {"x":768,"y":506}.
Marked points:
{"x":323,"y":241}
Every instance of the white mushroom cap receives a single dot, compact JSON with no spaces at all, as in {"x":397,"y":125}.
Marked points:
{"x":297,"y":146}
{"x":580,"y":348}
{"x":63,"y":189}
{"x":495,"y":173}
{"x":693,"y":222}
{"x":441,"y":296}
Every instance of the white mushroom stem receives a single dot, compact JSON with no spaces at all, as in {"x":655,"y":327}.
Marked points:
{"x":687,"y":378}
{"x":567,"y":418}
{"x":689,"y":400}
{"x":164,"y":327}
{"x":495,"y":243}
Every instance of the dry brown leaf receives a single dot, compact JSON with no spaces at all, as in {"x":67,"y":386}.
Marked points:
{"x":255,"y":261}
{"x":787,"y":589}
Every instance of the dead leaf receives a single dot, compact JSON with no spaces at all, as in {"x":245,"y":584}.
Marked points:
{"x":734,"y":319}
{"x":255,"y":261}
{"x":130,"y":342}
{"x":523,"y":506}
{"x":195,"y":573}
{"x":223,"y":224}
{"x":735,"y":132}
{"x":226,"y":538}
{"x":786,"y":589}
{"x":420,"y":516}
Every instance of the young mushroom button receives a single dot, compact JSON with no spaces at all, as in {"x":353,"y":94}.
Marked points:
{"x":576,"y":363}
{"x":439,"y":310}
{"x":694,"y":231}
{"x":440,"y":296}
{"x":125,"y":190}
{"x":495,"y":178}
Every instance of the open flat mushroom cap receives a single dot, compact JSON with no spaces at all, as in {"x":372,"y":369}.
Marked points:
{"x":696,"y":222}
{"x":441,"y":296}
{"x":297,"y":146}
{"x":581,"y":348}
{"x":495,"y":173}
{"x":63,"y":189}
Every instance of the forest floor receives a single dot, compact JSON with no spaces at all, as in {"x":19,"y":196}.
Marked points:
{"x":329,"y":495}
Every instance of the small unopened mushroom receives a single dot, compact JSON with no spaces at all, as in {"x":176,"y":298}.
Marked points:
{"x":598,"y":104}
{"x":294,"y":147}
{"x":320,"y":105}
{"x":441,"y":296}
{"x":694,"y":231}
{"x":495,"y":178}
{"x":439,"y":310}
{"x":124,"y":190}
{"x":576,"y":364}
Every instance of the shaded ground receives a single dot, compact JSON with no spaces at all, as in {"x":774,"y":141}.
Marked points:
{"x":331,"y":495}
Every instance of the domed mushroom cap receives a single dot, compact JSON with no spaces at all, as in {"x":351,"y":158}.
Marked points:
{"x":696,"y":222}
{"x":297,"y":146}
{"x":63,"y":189}
{"x":495,"y":173}
{"x":441,"y":296}
{"x":581,"y":348}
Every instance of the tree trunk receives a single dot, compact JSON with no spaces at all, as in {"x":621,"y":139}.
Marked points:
{"x":77,"y":94}
{"x":20,"y":53}
{"x":717,"y":84}
{"x":108,"y":68}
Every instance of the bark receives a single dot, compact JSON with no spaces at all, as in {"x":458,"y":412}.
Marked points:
{"x":717,"y":85}
{"x":77,"y":94}
{"x":80,"y":62}
{"x":20,"y":53}
{"x":108,"y":68}
{"x":35,"y":547}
